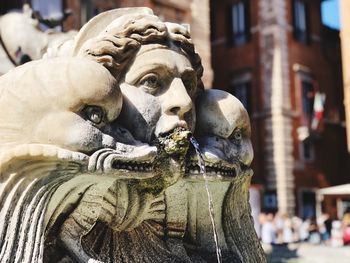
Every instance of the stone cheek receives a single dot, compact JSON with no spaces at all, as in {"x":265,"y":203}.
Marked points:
{"x":95,"y":157}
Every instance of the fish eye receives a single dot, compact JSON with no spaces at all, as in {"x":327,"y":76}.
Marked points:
{"x":94,"y":114}
{"x":237,"y":135}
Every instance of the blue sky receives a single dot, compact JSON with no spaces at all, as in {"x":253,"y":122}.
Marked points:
{"x":330,"y":13}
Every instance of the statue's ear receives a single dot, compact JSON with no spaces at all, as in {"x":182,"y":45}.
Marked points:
{"x":98,"y":23}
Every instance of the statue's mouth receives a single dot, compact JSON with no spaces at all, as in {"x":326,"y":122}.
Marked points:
{"x":127,"y":160}
{"x":215,"y":169}
{"x":131,"y":160}
{"x":179,"y":125}
{"x":169,"y":133}
{"x":212,"y":169}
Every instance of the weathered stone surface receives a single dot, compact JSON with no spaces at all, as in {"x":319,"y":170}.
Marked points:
{"x":95,"y":157}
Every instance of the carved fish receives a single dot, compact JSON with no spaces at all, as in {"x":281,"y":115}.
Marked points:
{"x":223,"y":131}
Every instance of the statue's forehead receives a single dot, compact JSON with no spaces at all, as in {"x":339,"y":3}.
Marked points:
{"x":157,"y":46}
{"x":157,"y":55}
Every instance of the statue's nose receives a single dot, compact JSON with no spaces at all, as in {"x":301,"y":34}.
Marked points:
{"x":176,"y":100}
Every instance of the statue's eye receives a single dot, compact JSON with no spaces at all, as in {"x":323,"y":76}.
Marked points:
{"x":94,"y":114}
{"x":237,"y":135}
{"x":150,"y":82}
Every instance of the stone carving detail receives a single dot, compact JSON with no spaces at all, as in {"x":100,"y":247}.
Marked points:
{"x":95,"y":157}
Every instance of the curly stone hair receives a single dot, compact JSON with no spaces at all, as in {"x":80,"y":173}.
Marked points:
{"x":116,"y":47}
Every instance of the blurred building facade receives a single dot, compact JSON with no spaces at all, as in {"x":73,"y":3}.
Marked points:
{"x":345,"y":44}
{"x":285,"y":66}
{"x":278,"y":59}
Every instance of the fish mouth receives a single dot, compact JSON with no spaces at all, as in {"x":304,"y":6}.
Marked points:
{"x":215,"y":169}
{"x":211,"y":169}
{"x":133,"y":166}
{"x":126,"y":161}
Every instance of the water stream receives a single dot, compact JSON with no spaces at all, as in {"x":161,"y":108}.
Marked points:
{"x":201,"y":165}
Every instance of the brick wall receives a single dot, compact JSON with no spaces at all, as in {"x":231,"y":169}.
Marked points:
{"x":320,"y":57}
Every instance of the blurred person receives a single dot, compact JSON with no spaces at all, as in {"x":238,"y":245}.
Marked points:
{"x":324,"y":224}
{"x":279,"y":224}
{"x":268,"y":231}
{"x":321,"y":226}
{"x":346,"y":227}
{"x":296,"y":225}
{"x":304,"y":230}
{"x":314,"y":235}
{"x":328,"y":225}
{"x":287,"y":232}
{"x":261,"y":220}
{"x":336,"y":234}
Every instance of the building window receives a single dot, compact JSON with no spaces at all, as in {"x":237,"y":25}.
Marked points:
{"x":241,"y":88}
{"x":239,"y":23}
{"x":241,"y":91}
{"x":49,"y":13}
{"x":88,"y":10}
{"x":270,"y":201}
{"x":300,"y":21}
{"x":307,"y":203}
{"x":308,"y":95}
{"x":307,"y":151}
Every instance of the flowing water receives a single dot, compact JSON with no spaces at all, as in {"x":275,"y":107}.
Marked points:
{"x":201,"y":165}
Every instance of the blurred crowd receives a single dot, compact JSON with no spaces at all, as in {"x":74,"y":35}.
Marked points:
{"x":281,"y":229}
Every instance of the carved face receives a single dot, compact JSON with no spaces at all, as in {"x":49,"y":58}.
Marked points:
{"x":223,"y":130}
{"x":69,"y":103}
{"x":158,"y":90}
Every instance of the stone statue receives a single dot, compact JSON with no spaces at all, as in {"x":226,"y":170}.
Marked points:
{"x":31,"y":43}
{"x":95,"y":157}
